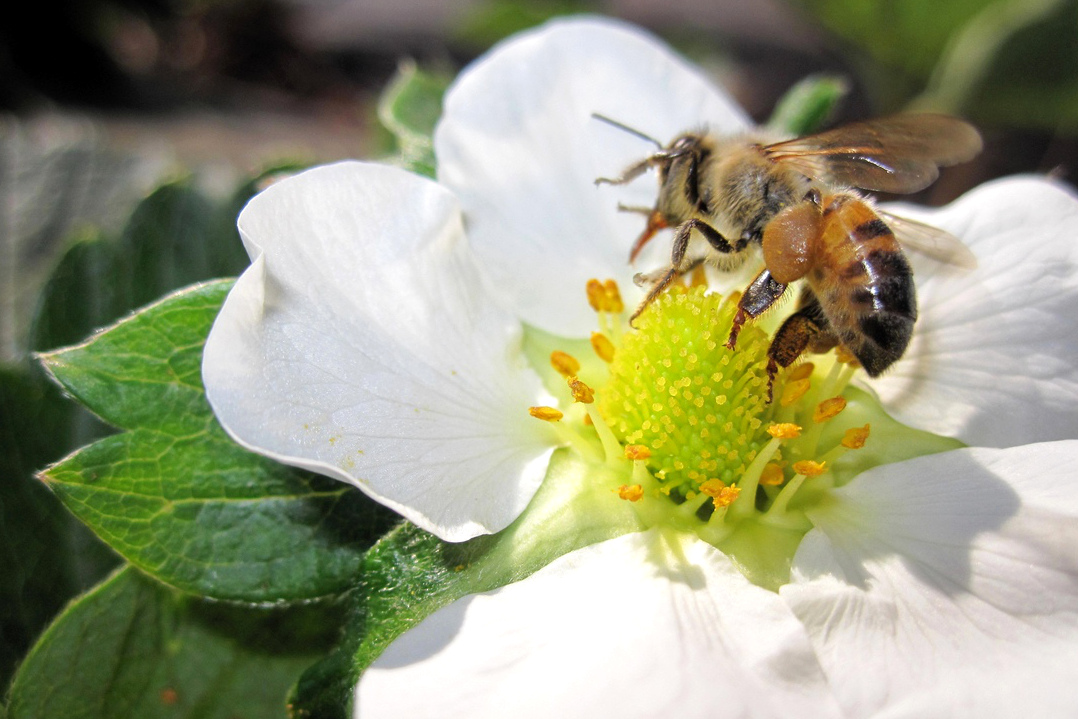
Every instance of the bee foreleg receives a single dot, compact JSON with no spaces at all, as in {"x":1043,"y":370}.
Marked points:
{"x":631,"y":173}
{"x":761,"y":293}
{"x":656,"y":289}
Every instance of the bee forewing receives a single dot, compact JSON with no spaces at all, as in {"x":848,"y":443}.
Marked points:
{"x":930,"y":241}
{"x":899,"y":154}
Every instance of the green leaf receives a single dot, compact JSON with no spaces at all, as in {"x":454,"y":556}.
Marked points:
{"x":809,"y":105}
{"x":131,"y":648}
{"x":1009,"y":61}
{"x":409,"y":108}
{"x":175,"y":495}
{"x":410,"y":574}
{"x":174,"y":237}
{"x":46,"y":556}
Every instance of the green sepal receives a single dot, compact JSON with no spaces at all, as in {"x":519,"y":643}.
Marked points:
{"x":410,"y":574}
{"x":132,"y":648}
{"x":809,"y":105}
{"x":409,"y":108}
{"x":175,"y":495}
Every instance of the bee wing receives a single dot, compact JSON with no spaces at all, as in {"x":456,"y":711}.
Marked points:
{"x":930,"y":241}
{"x":901,"y":154}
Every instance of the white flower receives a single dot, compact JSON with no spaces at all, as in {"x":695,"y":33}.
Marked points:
{"x":376,"y":338}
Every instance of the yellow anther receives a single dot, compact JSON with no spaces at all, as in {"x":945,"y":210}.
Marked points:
{"x":784,"y":430}
{"x":613,"y":297}
{"x":547,"y":414}
{"x":801,"y":371}
{"x":809,"y":468}
{"x":596,"y":295}
{"x":726,"y":497}
{"x":856,"y":437}
{"x":794,"y":390}
{"x":712,"y":487}
{"x":698,"y":278}
{"x":631,"y":492}
{"x":828,"y":408}
{"x":603,"y":347}
{"x":581,"y":392}
{"x":565,"y":364}
{"x":772,"y":475}
{"x":844,"y":356}
{"x":636,"y":451}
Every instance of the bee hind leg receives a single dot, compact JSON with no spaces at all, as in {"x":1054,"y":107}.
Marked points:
{"x":806,"y":329}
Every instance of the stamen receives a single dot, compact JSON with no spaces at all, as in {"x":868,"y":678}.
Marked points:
{"x":856,"y":437}
{"x":596,"y":295}
{"x":801,"y":371}
{"x":846,"y":357}
{"x":613,"y":297}
{"x":809,"y":468}
{"x":637,"y":451}
{"x":712,"y":487}
{"x":565,"y":364}
{"x":547,"y":414}
{"x":772,"y":475}
{"x":581,"y":392}
{"x":784,"y":430}
{"x":828,"y":408}
{"x":631,"y":492}
{"x":603,"y":347}
{"x":805,"y":468}
{"x":726,"y":497}
{"x":698,"y":278}
{"x":794,"y":390}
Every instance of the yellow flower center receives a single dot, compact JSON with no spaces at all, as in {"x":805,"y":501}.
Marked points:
{"x":681,"y":427}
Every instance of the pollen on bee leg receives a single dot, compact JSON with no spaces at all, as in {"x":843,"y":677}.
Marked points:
{"x":564,"y":363}
{"x":828,"y":408}
{"x":547,"y":414}
{"x":603,"y":347}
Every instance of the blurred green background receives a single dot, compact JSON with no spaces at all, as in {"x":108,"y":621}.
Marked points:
{"x":132,"y":131}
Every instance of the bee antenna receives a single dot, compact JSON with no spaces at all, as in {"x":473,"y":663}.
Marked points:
{"x":626,"y":128}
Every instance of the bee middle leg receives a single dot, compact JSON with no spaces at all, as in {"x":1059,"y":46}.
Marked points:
{"x":761,"y":293}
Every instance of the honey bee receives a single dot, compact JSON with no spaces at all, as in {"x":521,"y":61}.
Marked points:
{"x":795,"y":201}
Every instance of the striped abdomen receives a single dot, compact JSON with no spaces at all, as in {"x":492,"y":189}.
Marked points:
{"x":864,"y":283}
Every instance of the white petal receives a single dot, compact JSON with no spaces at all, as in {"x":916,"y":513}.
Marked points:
{"x":645,"y":625}
{"x":361,"y":345}
{"x":947,"y":586}
{"x":993,"y":357}
{"x":518,"y":144}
